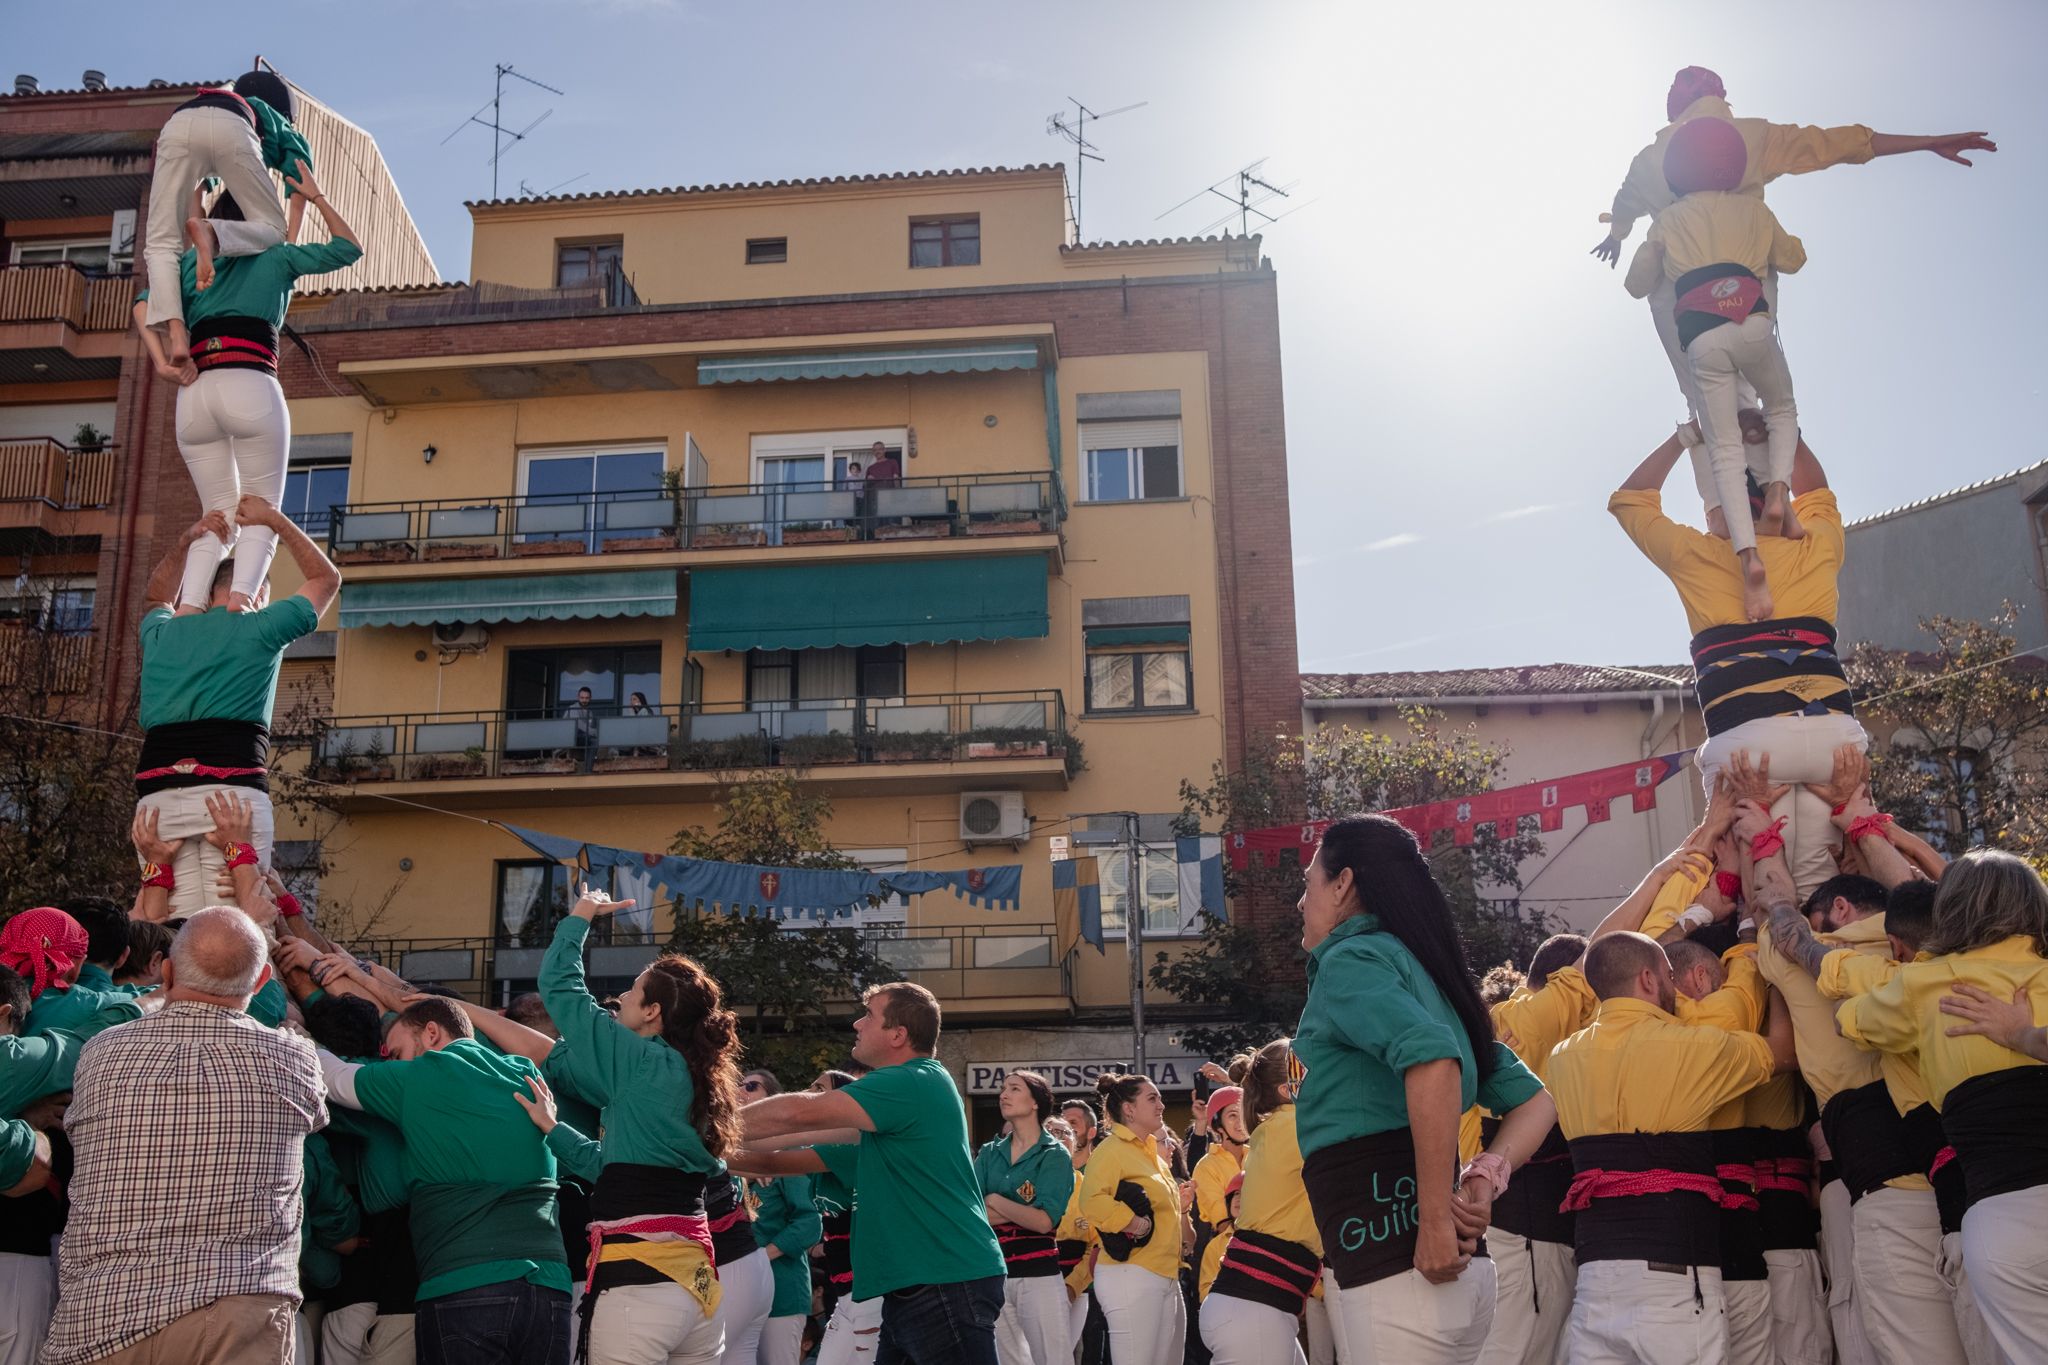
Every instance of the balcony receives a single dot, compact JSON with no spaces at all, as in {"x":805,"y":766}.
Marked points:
{"x":701,"y":524}
{"x":45,"y":661}
{"x":925,"y":743}
{"x":64,"y":320}
{"x":44,"y":482}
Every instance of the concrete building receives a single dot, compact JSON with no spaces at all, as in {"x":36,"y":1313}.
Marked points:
{"x":1962,"y":554}
{"x":1553,"y":720}
{"x":628,"y":459}
{"x":90,"y":478}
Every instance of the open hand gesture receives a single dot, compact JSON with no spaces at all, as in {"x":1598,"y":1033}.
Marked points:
{"x":541,"y":1108}
{"x":591,"y":902}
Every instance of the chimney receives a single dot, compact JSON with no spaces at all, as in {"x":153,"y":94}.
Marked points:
{"x":24,"y":85}
{"x":95,"y":80}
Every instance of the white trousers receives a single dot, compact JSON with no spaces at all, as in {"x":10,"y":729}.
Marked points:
{"x":197,"y":867}
{"x":1032,"y":1328}
{"x":235,"y":433}
{"x":1077,"y":1320}
{"x":654,"y":1324}
{"x":852,"y":1332}
{"x":1838,"y":1258}
{"x":360,"y":1335}
{"x":1147,"y":1317}
{"x":1801,"y":750}
{"x":28,"y":1293}
{"x":782,"y":1341}
{"x":1624,"y":1313}
{"x":1406,"y":1320}
{"x":1799,"y":1309}
{"x":1907,"y":1314}
{"x":1748,"y":349}
{"x":749,"y":1292}
{"x":1663,"y":303}
{"x":1746,"y":1311}
{"x":195,"y":144}
{"x":2007,"y":1256}
{"x":1532,"y":1300}
{"x":1979,"y":1346}
{"x":1322,"y":1339}
{"x":1240,"y":1332}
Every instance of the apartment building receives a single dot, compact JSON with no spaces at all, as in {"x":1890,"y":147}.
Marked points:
{"x":609,"y":535}
{"x":90,"y":477}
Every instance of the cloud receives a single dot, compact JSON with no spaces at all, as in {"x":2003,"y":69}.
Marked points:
{"x":1393,"y":542}
{"x":1534,"y":509}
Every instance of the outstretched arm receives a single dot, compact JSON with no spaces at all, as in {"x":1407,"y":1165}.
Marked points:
{"x":1948,"y":146}
{"x":1807,"y":474}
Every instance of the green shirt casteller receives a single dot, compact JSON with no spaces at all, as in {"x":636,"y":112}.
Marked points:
{"x":480,"y":1176}
{"x":1046,"y":1166}
{"x":283,"y":145}
{"x":81,"y":1011}
{"x":919,"y":1218}
{"x":217,"y":664}
{"x":1372,"y":1013}
{"x":258,"y":286}
{"x":31,"y":1068}
{"x":788,"y":1221}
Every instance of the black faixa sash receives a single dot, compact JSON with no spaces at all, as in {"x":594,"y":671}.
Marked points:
{"x":1999,"y":1126}
{"x":1118,"y":1246}
{"x":1261,"y":1268}
{"x":1531,"y":1206}
{"x":1654,"y":1204}
{"x":1362,"y":1193}
{"x":1868,"y":1138}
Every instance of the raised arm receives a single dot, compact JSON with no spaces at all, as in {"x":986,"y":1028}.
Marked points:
{"x":596,"y":1041}
{"x":1948,"y":146}
{"x":162,"y":588}
{"x":1649,"y":476}
{"x":305,"y":188}
{"x":509,"y":1035}
{"x":323,"y":580}
{"x":804,"y":1112}
{"x":1807,"y":474}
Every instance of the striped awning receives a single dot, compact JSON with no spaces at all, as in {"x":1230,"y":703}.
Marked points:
{"x":971,"y":358}
{"x":509,"y":597}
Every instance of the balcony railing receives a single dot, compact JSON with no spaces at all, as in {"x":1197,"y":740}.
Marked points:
{"x":936,"y":507}
{"x":37,"y":660}
{"x":716,"y":737}
{"x":64,"y":293}
{"x":43,"y":469}
{"x":1005,"y":957}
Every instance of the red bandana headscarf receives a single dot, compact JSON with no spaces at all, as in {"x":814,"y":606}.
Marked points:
{"x":1692,"y":83}
{"x":45,"y":945}
{"x":1705,"y":154}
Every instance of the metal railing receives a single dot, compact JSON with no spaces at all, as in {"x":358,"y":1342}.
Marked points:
{"x":1005,"y":956}
{"x":935,"y":507}
{"x":41,"y":660}
{"x":712,"y":737}
{"x":61,"y":292}
{"x":44,"y":469}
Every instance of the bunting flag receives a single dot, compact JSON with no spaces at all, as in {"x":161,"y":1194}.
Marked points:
{"x":1546,"y":800}
{"x":1076,"y":904}
{"x":1201,"y":877}
{"x":783,"y":892}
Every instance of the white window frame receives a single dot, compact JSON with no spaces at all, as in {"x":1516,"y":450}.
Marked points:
{"x":1132,"y":438}
{"x":307,"y":467}
{"x":528,"y":454}
{"x":43,"y":593}
{"x":826,"y":444}
{"x":1107,"y":855}
{"x":64,"y":244}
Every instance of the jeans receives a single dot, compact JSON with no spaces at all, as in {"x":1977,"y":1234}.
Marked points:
{"x":1746,"y":350}
{"x":941,"y":1324}
{"x":195,"y":144}
{"x":508,"y":1323}
{"x":235,"y":434}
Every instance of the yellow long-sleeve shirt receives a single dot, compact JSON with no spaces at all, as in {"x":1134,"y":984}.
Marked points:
{"x":1273,"y":1200}
{"x":1534,"y":1022}
{"x":1637,"y":1069}
{"x":1213,"y":1174}
{"x":1902,"y":1016}
{"x":1775,"y":149}
{"x":1845,"y":974}
{"x":1677,"y":894}
{"x":1709,"y":579}
{"x":1075,"y":1227}
{"x":1122,"y":1155}
{"x":1713,"y":227}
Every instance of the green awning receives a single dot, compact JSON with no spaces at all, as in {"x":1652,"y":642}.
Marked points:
{"x":886,"y":602}
{"x":1135,"y":635}
{"x":978,"y":358}
{"x":521,"y":597}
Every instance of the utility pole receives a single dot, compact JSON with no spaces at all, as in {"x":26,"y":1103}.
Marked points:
{"x":1134,"y":938}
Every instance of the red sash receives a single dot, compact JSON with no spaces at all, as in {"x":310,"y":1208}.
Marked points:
{"x":1730,"y":298}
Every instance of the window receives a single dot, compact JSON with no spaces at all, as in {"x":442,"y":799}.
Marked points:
{"x":1138,"y":681}
{"x":1158,"y":883}
{"x":588,"y":262}
{"x":534,"y":896}
{"x":945,"y":241}
{"x":89,"y":254}
{"x":611,"y":476}
{"x":767,"y":250}
{"x":540,"y":683}
{"x":311,"y":492}
{"x":61,"y":607}
{"x":1131,"y":461}
{"x":780,"y":678}
{"x":1137,"y":653}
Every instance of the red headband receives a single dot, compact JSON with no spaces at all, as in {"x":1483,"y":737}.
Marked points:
{"x":45,"y":945}
{"x":1692,"y":83}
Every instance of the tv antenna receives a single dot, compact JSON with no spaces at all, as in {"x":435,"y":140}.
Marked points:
{"x":1252,"y":190}
{"x":532,"y":193}
{"x":1074,"y":128}
{"x":499,"y":132}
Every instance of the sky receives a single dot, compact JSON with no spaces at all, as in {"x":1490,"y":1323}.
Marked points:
{"x":1464,"y":383}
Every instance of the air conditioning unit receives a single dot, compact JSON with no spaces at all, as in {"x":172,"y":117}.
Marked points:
{"x":993,"y":818}
{"x":460,"y":635}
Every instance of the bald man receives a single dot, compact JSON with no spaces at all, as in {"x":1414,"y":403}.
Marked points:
{"x":188,"y":1126}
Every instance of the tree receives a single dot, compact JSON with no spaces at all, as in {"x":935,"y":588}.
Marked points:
{"x":1959,"y":735}
{"x":1323,"y":775}
{"x":784,"y":981}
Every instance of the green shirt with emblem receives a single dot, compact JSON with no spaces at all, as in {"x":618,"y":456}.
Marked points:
{"x":217,"y":664}
{"x":1372,"y":1013}
{"x":1046,"y":1167}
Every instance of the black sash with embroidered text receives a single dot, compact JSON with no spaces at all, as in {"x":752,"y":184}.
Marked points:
{"x":1362,"y":1193}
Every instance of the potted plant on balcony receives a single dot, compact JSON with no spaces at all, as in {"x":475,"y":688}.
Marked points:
{"x":88,"y":438}
{"x":917,"y":528}
{"x":653,"y":540}
{"x":371,"y":765}
{"x":814,"y":533}
{"x":741,"y":751}
{"x":528,"y":764}
{"x":1008,"y":741}
{"x":915,"y":746}
{"x":376,"y":552}
{"x":468,"y":763}
{"x":817,"y":751}
{"x":727,"y":537}
{"x":1008,"y":524}
{"x":567,"y":545}
{"x":635,"y":760}
{"x":460,"y":549}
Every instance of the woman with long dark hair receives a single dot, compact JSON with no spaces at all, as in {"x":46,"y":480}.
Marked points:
{"x":1131,"y":1197}
{"x":1027,"y":1179}
{"x":666,"y":1075}
{"x":1396,"y":1045}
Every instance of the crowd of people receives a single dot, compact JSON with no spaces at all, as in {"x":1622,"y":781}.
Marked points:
{"x":1785,"y":1104}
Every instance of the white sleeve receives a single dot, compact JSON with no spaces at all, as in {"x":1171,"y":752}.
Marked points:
{"x":340,"y":1077}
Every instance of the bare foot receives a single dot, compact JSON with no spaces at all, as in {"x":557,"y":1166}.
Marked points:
{"x":1717,"y":523}
{"x":203,"y":242}
{"x":1789,"y":522}
{"x":1756,"y":588}
{"x":189,"y":610}
{"x":1771,"y":521}
{"x":177,"y":343}
{"x":241,"y":601}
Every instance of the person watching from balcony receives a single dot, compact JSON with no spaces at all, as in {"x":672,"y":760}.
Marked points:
{"x":884,"y":469}
{"x":636,"y":704}
{"x":209,"y":683}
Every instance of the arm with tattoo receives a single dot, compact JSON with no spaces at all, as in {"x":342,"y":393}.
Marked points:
{"x":1767,"y":884}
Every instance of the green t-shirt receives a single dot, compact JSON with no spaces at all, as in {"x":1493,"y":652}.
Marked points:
{"x":642,"y":1084}
{"x":919,"y":1219}
{"x":270,"y":1006}
{"x":283,"y":146}
{"x":1372,"y":1013}
{"x":788,"y":1221}
{"x":371,"y":1153}
{"x":332,"y":1216}
{"x":81,"y":1011}
{"x":480,"y":1177}
{"x":17,"y":1151}
{"x":218,"y":664}
{"x":258,"y":286}
{"x":1046,"y":1166}
{"x":31,"y":1068}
